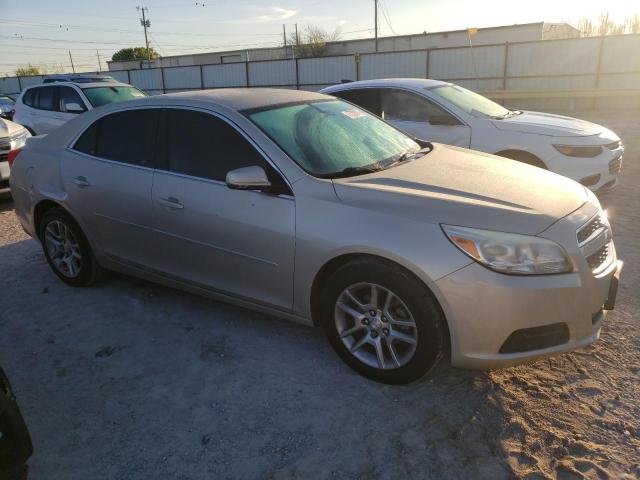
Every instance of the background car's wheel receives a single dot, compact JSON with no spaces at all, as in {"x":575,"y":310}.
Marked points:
{"x":382,"y":321}
{"x":66,"y":248}
{"x":523,"y":157}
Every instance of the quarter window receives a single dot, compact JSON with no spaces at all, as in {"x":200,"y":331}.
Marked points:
{"x":205,"y":146}
{"x":126,"y":137}
{"x":68,"y":95}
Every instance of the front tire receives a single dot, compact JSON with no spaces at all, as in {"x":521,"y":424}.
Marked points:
{"x":382,"y":321}
{"x":66,"y":249}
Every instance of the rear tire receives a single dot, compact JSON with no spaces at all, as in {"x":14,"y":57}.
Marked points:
{"x":402,"y":342}
{"x":66,"y":249}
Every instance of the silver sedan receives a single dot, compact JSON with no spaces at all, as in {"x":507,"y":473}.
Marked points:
{"x":310,"y":208}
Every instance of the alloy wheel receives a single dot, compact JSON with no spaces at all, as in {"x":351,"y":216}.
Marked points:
{"x":375,"y":325}
{"x":63,"y":248}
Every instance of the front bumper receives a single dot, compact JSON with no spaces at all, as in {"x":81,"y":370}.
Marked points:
{"x":486,"y":309}
{"x":597,"y":173}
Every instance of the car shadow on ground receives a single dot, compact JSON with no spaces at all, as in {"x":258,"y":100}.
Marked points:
{"x":143,"y":377}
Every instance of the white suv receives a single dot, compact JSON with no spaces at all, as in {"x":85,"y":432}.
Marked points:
{"x":446,"y":113}
{"x":44,"y":107}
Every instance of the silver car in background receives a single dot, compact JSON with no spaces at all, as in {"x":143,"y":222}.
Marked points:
{"x":312,"y":209}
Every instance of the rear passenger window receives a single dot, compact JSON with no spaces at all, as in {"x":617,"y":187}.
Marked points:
{"x":46,"y":98}
{"x":201,"y":145}
{"x":126,"y":137}
{"x":87,"y":141}
{"x":367,"y":98}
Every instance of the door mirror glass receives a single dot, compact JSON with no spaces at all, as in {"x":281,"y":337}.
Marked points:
{"x":73,"y":108}
{"x":248,"y":178}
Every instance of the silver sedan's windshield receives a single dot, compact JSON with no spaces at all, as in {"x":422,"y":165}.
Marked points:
{"x":334,"y":138}
{"x":469,"y":101}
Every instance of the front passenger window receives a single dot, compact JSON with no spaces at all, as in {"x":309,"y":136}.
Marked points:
{"x":202,"y":145}
{"x":68,"y":95}
{"x":408,"y":107}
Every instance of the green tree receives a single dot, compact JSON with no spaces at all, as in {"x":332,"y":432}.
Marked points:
{"x":137,"y":53}
{"x":312,"y":41}
{"x":29,"y":70}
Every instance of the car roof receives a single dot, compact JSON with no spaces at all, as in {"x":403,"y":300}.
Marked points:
{"x":414,"y":83}
{"x":80,"y":84}
{"x":239,"y":98}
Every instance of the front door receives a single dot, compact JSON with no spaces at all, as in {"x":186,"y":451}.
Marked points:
{"x":108,"y":176}
{"x":232,"y":241}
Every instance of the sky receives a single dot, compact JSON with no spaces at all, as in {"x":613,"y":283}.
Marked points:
{"x":41,"y":32}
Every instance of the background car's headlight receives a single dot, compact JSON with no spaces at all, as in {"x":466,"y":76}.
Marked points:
{"x":19,"y":140}
{"x":587,"y":151}
{"x":510,"y":253}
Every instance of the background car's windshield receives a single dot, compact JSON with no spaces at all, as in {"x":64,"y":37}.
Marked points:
{"x":104,"y":95}
{"x":469,"y":101}
{"x":329,"y":136}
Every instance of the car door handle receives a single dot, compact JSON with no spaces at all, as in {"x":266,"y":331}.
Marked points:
{"x":81,"y":182}
{"x":172,"y":203}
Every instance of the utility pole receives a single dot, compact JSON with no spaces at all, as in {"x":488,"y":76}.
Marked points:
{"x":375,"y":4}
{"x":99,"y":63}
{"x":297,"y":42}
{"x":284,"y":36}
{"x":146,"y":24}
{"x":71,"y":58}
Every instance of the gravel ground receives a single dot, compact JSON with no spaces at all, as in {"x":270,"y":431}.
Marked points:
{"x":130,"y":380}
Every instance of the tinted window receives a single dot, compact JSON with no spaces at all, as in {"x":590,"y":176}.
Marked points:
{"x":367,"y":98}
{"x":202,"y":145}
{"x":46,"y":98}
{"x":126,"y":137}
{"x":28,"y":96}
{"x":68,"y":95}
{"x":87,"y":141}
{"x":405,"y":106}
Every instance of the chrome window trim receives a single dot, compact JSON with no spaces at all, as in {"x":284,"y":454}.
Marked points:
{"x":230,"y":122}
{"x":106,"y":160}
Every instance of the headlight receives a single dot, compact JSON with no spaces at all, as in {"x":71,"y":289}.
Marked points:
{"x":19,"y":140}
{"x":579,"y":151}
{"x":510,"y":253}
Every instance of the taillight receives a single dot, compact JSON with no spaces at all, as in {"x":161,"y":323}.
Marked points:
{"x":12,"y":156}
{"x":11,"y":114}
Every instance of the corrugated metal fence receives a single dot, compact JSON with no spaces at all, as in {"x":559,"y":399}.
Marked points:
{"x":610,"y":62}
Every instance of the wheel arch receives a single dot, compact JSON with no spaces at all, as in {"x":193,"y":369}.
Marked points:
{"x":336,"y":262}
{"x":42,"y":207}
{"x":522,"y":156}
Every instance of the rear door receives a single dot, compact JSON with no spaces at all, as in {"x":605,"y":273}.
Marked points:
{"x":46,"y":117}
{"x":233,"y":241}
{"x":423,"y":119}
{"x":107,"y":175}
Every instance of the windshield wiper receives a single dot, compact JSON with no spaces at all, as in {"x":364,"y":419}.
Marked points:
{"x":353,"y":171}
{"x":509,"y":114}
{"x":409,"y":154}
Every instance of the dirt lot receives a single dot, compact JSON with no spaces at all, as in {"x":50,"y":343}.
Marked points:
{"x":129,"y":380}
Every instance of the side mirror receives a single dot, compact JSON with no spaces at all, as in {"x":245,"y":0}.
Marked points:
{"x":248,"y":178}
{"x":74,"y":108}
{"x":443,"y":120}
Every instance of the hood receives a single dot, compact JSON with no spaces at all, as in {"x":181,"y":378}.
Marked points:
{"x":461,"y":187}
{"x":548,"y":124}
{"x":8,"y":128}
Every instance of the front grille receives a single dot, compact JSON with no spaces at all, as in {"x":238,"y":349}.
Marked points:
{"x":615,"y":166}
{"x":595,"y":260}
{"x":613,"y":145}
{"x":585,"y":232}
